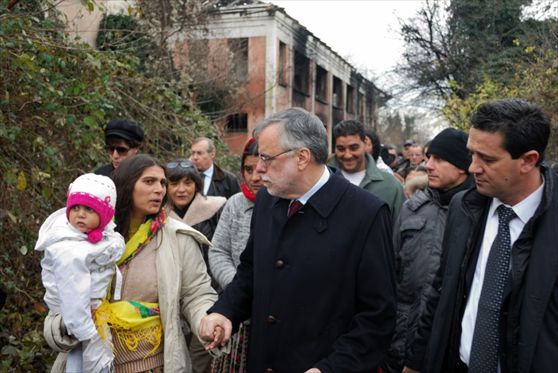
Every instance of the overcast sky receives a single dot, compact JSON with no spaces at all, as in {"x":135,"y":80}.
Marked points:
{"x":365,"y":32}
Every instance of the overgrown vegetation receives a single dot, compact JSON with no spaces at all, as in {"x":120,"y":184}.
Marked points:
{"x":460,"y":53}
{"x":56,"y":95}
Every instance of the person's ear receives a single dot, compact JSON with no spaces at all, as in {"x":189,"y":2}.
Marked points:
{"x":303,"y":157}
{"x":529,"y":160}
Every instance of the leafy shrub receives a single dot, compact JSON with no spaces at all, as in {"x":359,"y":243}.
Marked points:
{"x":56,"y":95}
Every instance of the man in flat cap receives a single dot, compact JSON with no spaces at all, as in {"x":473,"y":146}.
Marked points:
{"x":123,"y":138}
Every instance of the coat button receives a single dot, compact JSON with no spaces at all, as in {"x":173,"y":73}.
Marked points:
{"x":271,"y":319}
{"x":279,"y":264}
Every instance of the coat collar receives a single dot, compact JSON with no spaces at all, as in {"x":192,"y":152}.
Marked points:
{"x":201,"y":209}
{"x":218,"y":173}
{"x":326,"y":198}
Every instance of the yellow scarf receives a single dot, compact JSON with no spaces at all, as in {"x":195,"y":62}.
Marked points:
{"x":133,"y":321}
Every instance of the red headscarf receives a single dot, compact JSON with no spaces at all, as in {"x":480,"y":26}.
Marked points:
{"x":248,"y":193}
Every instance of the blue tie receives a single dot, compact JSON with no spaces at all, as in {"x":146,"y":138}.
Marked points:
{"x":486,"y":337}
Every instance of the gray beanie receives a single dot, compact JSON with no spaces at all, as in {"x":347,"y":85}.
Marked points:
{"x":451,"y":146}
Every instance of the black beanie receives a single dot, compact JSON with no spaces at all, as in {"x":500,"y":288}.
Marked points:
{"x":451,"y":146}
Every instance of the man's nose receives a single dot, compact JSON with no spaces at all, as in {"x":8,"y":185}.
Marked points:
{"x":261,"y":167}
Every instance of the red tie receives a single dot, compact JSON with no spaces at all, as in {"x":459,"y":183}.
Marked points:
{"x":294,"y":207}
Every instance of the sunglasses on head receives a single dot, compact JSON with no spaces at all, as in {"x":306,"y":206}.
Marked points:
{"x":119,"y":149}
{"x":182,"y":164}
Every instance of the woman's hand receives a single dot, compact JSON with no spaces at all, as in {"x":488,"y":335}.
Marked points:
{"x":215,"y":328}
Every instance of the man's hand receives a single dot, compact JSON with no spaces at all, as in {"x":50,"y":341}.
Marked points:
{"x":409,"y":370}
{"x":215,"y":328}
{"x":313,"y":370}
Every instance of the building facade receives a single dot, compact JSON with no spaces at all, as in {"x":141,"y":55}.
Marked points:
{"x":278,"y":64}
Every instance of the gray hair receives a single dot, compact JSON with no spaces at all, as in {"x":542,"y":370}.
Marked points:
{"x":210,"y":144}
{"x":301,"y":129}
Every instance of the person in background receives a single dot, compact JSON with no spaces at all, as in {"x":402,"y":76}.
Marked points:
{"x":415,"y":156}
{"x":418,"y":234}
{"x":416,"y":179}
{"x":80,"y":252}
{"x":228,"y":242}
{"x":373,"y":146}
{"x":359,"y":167}
{"x":187,"y":203}
{"x":123,"y":138}
{"x":164,"y":278}
{"x":216,"y":182}
{"x":404,"y":164}
{"x":493,"y":305}
{"x":316,"y":278}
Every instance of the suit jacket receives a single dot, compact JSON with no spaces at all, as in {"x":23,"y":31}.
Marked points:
{"x":319,"y":287}
{"x":223,"y":183}
{"x":529,"y":326}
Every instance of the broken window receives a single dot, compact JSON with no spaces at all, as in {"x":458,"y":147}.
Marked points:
{"x":350,"y":104}
{"x":238,"y":47}
{"x":321,"y":84}
{"x":283,"y":78}
{"x":237,"y":122}
{"x":301,"y":73}
{"x":337,"y":93}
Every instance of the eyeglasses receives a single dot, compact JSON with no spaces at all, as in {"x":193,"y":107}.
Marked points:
{"x":120,"y":149}
{"x":268,"y":158}
{"x":182,"y":164}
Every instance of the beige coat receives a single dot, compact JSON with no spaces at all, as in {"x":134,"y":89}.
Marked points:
{"x":184,"y":291}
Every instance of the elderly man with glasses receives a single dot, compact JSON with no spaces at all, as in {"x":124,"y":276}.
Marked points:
{"x":123,"y":138}
{"x":317,"y":276}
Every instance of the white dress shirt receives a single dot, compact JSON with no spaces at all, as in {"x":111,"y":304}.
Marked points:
{"x":320,"y":183}
{"x":207,"y":176}
{"x":524,"y":211}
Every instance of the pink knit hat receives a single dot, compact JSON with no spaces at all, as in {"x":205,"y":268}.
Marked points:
{"x":97,"y":192}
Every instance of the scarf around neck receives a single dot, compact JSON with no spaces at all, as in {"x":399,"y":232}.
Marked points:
{"x":142,"y":237}
{"x":248,"y":192}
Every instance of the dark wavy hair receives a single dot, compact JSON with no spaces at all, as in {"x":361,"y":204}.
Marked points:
{"x":125,"y":178}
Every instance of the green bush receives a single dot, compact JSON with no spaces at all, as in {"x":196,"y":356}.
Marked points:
{"x":56,"y":95}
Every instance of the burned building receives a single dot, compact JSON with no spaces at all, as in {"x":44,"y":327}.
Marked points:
{"x":276,"y":63}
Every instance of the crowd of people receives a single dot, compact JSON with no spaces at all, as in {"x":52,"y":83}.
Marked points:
{"x":437,"y":259}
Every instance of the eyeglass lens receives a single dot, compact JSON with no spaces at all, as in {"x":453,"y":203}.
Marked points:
{"x":120,"y":149}
{"x":180,"y":164}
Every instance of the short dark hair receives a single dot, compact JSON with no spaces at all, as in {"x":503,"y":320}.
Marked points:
{"x":349,"y":128}
{"x":523,"y":125}
{"x":376,"y":143}
{"x":179,"y":172}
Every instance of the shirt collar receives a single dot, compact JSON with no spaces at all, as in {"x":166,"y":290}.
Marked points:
{"x":524,"y":209}
{"x":320,"y":183}
{"x":209,"y":172}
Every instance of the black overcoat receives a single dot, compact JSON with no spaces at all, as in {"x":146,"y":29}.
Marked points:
{"x":529,"y":329}
{"x":319,"y":286}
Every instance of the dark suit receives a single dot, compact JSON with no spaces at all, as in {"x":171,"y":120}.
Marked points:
{"x":319,"y":287}
{"x":529,"y":327}
{"x":223,"y":183}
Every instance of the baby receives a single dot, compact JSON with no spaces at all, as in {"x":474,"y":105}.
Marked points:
{"x":81,"y":248}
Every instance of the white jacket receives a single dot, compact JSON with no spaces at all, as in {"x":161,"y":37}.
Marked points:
{"x":185,"y":292}
{"x":76,"y":271}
